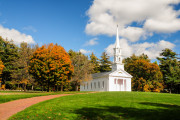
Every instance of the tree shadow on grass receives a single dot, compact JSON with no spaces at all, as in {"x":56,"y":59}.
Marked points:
{"x":162,"y":112}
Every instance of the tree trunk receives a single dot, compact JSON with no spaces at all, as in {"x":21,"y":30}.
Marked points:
{"x":61,"y":88}
{"x":57,"y":88}
{"x":32,"y":88}
{"x":77,"y":87}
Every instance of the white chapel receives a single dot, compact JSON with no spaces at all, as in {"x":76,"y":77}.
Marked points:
{"x":116,"y":80}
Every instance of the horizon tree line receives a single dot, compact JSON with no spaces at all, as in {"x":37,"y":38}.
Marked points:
{"x":50,"y":67}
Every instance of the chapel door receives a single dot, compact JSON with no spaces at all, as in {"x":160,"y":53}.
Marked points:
{"x":120,"y":85}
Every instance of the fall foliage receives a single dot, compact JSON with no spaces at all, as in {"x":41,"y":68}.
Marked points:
{"x":146,"y":76}
{"x":51,"y":66}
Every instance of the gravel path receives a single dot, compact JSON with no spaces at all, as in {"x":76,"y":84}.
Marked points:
{"x":10,"y":108}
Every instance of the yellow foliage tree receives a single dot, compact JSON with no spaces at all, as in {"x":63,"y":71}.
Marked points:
{"x":51,"y":66}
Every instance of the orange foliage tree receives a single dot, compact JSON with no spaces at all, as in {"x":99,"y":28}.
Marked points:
{"x":146,"y":76}
{"x":1,"y":69}
{"x":51,"y":66}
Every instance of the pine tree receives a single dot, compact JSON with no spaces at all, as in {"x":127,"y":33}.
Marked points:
{"x":8,"y":54}
{"x":95,"y":63}
{"x":105,"y":63}
{"x":170,"y":68}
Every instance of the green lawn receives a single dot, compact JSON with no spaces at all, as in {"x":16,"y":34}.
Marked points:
{"x":14,"y":95}
{"x":106,"y":106}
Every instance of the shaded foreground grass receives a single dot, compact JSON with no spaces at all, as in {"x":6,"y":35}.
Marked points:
{"x":106,"y":106}
{"x":12,"y":95}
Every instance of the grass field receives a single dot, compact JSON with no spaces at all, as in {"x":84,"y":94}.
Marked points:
{"x":106,"y":106}
{"x":6,"y":96}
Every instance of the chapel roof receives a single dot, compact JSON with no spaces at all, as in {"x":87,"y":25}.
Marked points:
{"x":116,"y":73}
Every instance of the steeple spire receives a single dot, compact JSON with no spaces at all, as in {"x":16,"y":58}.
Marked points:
{"x":117,"y":39}
{"x":117,"y":54}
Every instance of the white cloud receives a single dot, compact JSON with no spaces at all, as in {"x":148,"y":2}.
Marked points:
{"x":151,"y":49}
{"x":85,"y":51}
{"x":91,"y":42}
{"x":15,"y":35}
{"x":30,"y":28}
{"x":153,"y":15}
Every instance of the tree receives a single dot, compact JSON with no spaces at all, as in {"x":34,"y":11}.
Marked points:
{"x":8,"y":54}
{"x":105,"y":63}
{"x":1,"y":69}
{"x":51,"y":66}
{"x":82,"y":68}
{"x":95,"y":63}
{"x":170,"y":68}
{"x":146,"y":76}
{"x":21,"y":74}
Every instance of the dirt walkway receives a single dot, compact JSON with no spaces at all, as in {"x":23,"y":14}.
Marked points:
{"x":10,"y":108}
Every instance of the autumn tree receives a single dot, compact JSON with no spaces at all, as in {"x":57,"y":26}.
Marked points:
{"x":146,"y":76}
{"x":51,"y":66}
{"x":170,"y":68}
{"x":95,"y":63}
{"x":21,"y":74}
{"x":1,"y":69}
{"x":82,"y":68}
{"x":8,"y":54}
{"x":105,"y":63}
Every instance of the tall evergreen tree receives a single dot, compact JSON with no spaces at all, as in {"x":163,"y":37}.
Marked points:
{"x":105,"y":63}
{"x":8,"y":54}
{"x":170,"y":68}
{"x":95,"y":63}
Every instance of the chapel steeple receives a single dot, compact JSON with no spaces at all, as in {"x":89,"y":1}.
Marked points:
{"x":117,"y":54}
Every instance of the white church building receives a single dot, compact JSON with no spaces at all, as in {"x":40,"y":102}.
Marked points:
{"x":116,"y":80}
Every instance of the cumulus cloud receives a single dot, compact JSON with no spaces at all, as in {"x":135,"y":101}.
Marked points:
{"x":151,"y":49}
{"x":15,"y":35}
{"x":91,"y":42}
{"x":152,"y":15}
{"x":85,"y":51}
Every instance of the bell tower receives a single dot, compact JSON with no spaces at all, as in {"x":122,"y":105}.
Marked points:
{"x":117,"y":54}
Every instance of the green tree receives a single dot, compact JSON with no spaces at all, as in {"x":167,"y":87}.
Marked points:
{"x":51,"y":66}
{"x":146,"y":76}
{"x":170,"y":68}
{"x":95,"y":63}
{"x":82,"y":68}
{"x":8,"y":54}
{"x":21,"y":74}
{"x":105,"y":63}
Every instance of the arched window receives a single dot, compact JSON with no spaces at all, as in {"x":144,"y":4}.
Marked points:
{"x":99,"y":84}
{"x":94,"y":84}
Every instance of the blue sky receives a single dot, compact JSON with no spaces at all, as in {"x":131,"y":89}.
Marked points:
{"x":90,"y":25}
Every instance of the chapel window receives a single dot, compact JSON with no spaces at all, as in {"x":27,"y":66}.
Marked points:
{"x":103,"y":84}
{"x":91,"y":85}
{"x":87,"y":85}
{"x":94,"y":84}
{"x":84,"y":86}
{"x":99,"y":84}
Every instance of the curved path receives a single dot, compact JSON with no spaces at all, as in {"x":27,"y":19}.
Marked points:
{"x":10,"y":108}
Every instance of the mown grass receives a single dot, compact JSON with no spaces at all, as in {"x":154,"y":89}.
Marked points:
{"x":106,"y":106}
{"x":15,"y":95}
